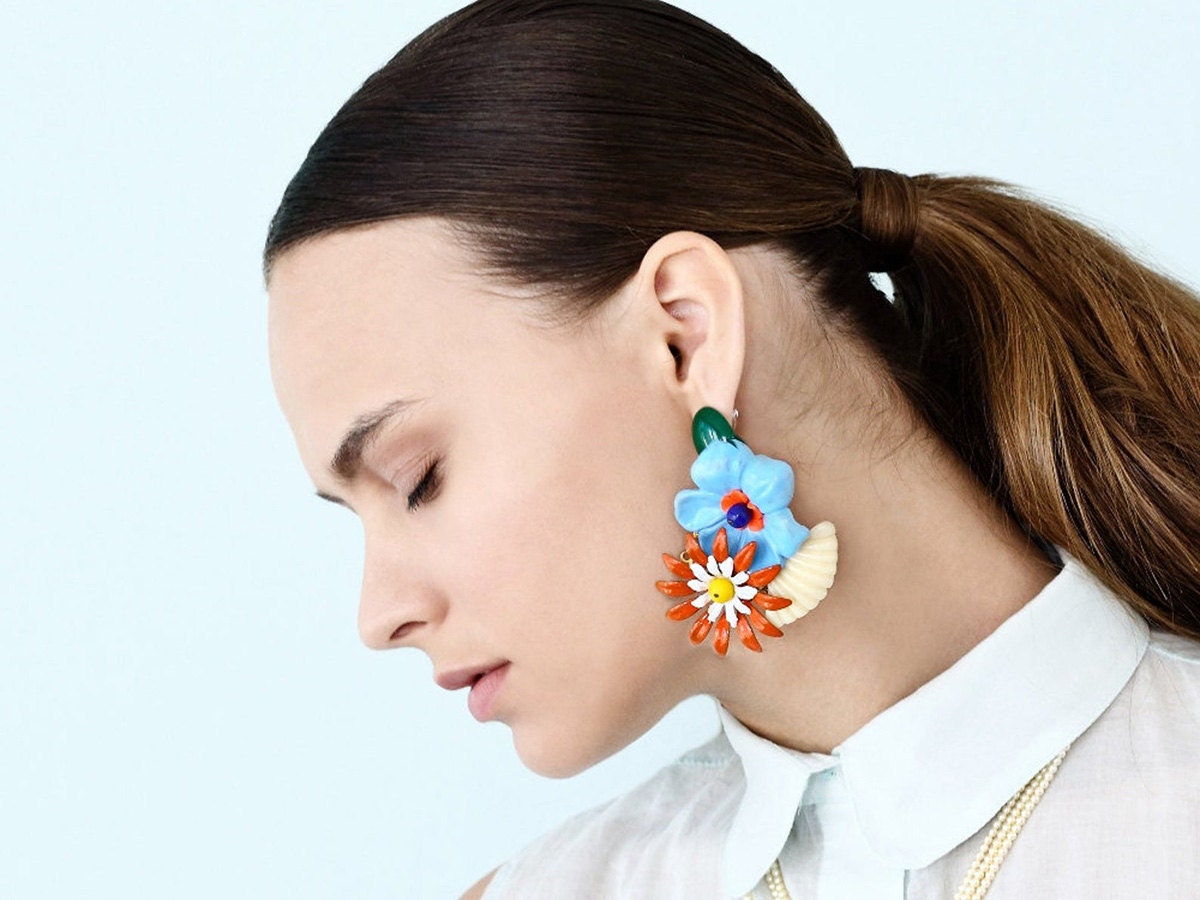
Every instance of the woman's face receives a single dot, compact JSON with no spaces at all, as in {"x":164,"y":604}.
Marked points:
{"x":532,"y":550}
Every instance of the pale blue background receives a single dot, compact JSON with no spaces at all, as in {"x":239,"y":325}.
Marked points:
{"x":185,"y":709}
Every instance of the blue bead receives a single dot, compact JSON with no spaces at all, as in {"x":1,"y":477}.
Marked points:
{"x":738,"y":516}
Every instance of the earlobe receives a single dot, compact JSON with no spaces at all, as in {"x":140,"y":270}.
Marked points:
{"x":697,"y":293}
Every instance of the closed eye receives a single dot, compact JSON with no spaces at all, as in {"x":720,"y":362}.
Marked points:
{"x":426,"y":487}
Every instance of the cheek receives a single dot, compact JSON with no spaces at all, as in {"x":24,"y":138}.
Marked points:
{"x":571,"y":532}
{"x":570,"y":524}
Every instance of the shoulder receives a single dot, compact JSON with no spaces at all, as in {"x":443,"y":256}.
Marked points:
{"x":477,"y":890}
{"x":1150,"y":735}
{"x":1182,"y":651}
{"x":1167,"y":681}
{"x":1166,"y":685}
{"x":678,"y":816}
{"x":1129,"y":780}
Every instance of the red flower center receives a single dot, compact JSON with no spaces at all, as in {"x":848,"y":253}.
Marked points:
{"x":740,"y":512}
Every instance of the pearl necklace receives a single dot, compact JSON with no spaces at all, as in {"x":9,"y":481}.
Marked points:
{"x":995,"y":846}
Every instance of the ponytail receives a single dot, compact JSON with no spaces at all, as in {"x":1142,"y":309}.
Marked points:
{"x":1065,"y":373}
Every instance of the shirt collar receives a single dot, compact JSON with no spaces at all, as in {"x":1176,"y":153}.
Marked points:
{"x":930,"y":770}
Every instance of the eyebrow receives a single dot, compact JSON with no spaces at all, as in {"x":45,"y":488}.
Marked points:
{"x":365,"y":431}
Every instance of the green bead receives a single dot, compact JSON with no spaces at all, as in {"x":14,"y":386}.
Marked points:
{"x":708,"y":425}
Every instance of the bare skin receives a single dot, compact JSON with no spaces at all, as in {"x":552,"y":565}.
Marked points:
{"x":564,"y":450}
{"x":475,"y":891}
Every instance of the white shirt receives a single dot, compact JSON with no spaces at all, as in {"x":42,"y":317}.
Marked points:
{"x":900,"y":808}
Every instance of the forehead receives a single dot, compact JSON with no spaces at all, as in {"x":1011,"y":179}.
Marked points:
{"x":394,"y":311}
{"x":373,"y":272}
{"x":361,"y":317}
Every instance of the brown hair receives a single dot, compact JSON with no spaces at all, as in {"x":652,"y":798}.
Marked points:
{"x":561,"y":138}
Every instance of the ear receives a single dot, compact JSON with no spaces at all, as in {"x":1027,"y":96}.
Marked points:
{"x":694,"y":296}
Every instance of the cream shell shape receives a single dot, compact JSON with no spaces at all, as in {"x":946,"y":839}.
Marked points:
{"x":806,"y":576}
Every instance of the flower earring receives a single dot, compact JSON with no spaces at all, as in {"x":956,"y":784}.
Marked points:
{"x":748,"y":565}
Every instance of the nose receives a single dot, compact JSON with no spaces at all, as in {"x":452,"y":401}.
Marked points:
{"x":397,"y":602}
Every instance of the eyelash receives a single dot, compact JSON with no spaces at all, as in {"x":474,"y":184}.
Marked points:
{"x":426,"y":487}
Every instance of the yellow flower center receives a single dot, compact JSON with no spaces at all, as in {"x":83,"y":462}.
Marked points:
{"x":720,"y":590}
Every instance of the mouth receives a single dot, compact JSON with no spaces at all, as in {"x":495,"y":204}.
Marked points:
{"x":485,"y":683}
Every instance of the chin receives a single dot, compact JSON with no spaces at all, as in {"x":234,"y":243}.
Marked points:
{"x":564,"y":751}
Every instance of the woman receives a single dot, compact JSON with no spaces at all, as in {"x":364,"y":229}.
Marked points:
{"x":545,"y":244}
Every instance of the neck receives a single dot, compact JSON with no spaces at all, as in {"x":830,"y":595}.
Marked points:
{"x":928,"y":566}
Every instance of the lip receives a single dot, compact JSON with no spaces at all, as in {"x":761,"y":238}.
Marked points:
{"x":485,"y":682}
{"x":464,"y":677}
{"x":483,"y":693}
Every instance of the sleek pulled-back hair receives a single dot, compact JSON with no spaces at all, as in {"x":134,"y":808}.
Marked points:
{"x":561,"y":138}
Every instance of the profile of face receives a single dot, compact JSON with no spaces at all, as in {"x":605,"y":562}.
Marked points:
{"x":517,"y":500}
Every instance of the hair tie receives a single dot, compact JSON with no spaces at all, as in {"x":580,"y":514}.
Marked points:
{"x":888,"y":203}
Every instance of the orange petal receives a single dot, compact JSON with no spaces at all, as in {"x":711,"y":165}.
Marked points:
{"x":756,"y":519}
{"x":734,"y":497}
{"x":762,"y":576}
{"x":694,"y":551}
{"x":677,"y":566}
{"x":721,"y":637}
{"x":720,"y":546}
{"x":742,"y":561}
{"x":759,"y":621}
{"x":681,"y":611}
{"x":769,"y":601}
{"x":675,"y":588}
{"x":700,"y":629}
{"x":746,"y":633}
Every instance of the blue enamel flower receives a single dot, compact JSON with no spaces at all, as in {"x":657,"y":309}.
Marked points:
{"x":748,"y":494}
